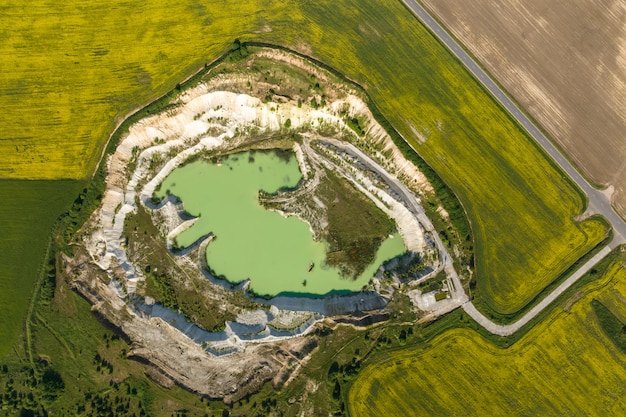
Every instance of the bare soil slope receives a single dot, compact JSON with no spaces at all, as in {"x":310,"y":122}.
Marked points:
{"x":565,"y":63}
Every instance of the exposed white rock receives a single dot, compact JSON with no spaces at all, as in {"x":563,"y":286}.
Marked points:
{"x":187,"y":129}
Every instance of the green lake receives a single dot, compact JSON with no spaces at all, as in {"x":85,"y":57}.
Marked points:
{"x":251,"y":242}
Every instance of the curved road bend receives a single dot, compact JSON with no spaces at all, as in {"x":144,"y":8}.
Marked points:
{"x":509,"y":329}
{"x":599,"y":202}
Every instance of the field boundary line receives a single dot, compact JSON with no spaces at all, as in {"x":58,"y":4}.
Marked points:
{"x":28,"y":343}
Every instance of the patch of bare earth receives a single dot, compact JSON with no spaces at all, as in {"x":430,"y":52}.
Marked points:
{"x":565,"y":62}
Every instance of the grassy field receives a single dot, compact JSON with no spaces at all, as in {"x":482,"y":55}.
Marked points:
{"x":92,"y":63}
{"x":27,"y":213}
{"x":566,"y":365}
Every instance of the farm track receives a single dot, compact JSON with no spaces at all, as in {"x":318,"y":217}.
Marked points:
{"x":599,"y":201}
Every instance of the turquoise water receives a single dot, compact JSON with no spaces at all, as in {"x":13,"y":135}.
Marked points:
{"x":251,"y":242}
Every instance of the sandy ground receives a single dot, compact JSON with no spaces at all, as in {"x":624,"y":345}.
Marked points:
{"x":565,"y":63}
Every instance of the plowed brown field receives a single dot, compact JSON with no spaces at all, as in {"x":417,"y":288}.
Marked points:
{"x":565,"y":63}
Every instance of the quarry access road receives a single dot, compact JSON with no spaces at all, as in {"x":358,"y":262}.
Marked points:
{"x":598,"y":201}
{"x":509,"y":329}
{"x":458,"y":296}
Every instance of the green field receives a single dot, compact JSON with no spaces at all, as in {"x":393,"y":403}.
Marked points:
{"x":566,"y":365}
{"x":72,"y":71}
{"x":27,"y":213}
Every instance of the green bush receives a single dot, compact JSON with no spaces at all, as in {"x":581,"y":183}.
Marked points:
{"x":52,"y":381}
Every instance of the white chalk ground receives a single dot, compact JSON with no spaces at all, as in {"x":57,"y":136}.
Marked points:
{"x":423,"y":301}
{"x":190,"y":128}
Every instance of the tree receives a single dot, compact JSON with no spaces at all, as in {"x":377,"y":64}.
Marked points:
{"x":239,"y":49}
{"x":52,"y":381}
{"x":337,"y":390}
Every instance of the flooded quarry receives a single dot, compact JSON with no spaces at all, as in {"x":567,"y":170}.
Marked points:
{"x":248,"y":212}
{"x":278,"y":254}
